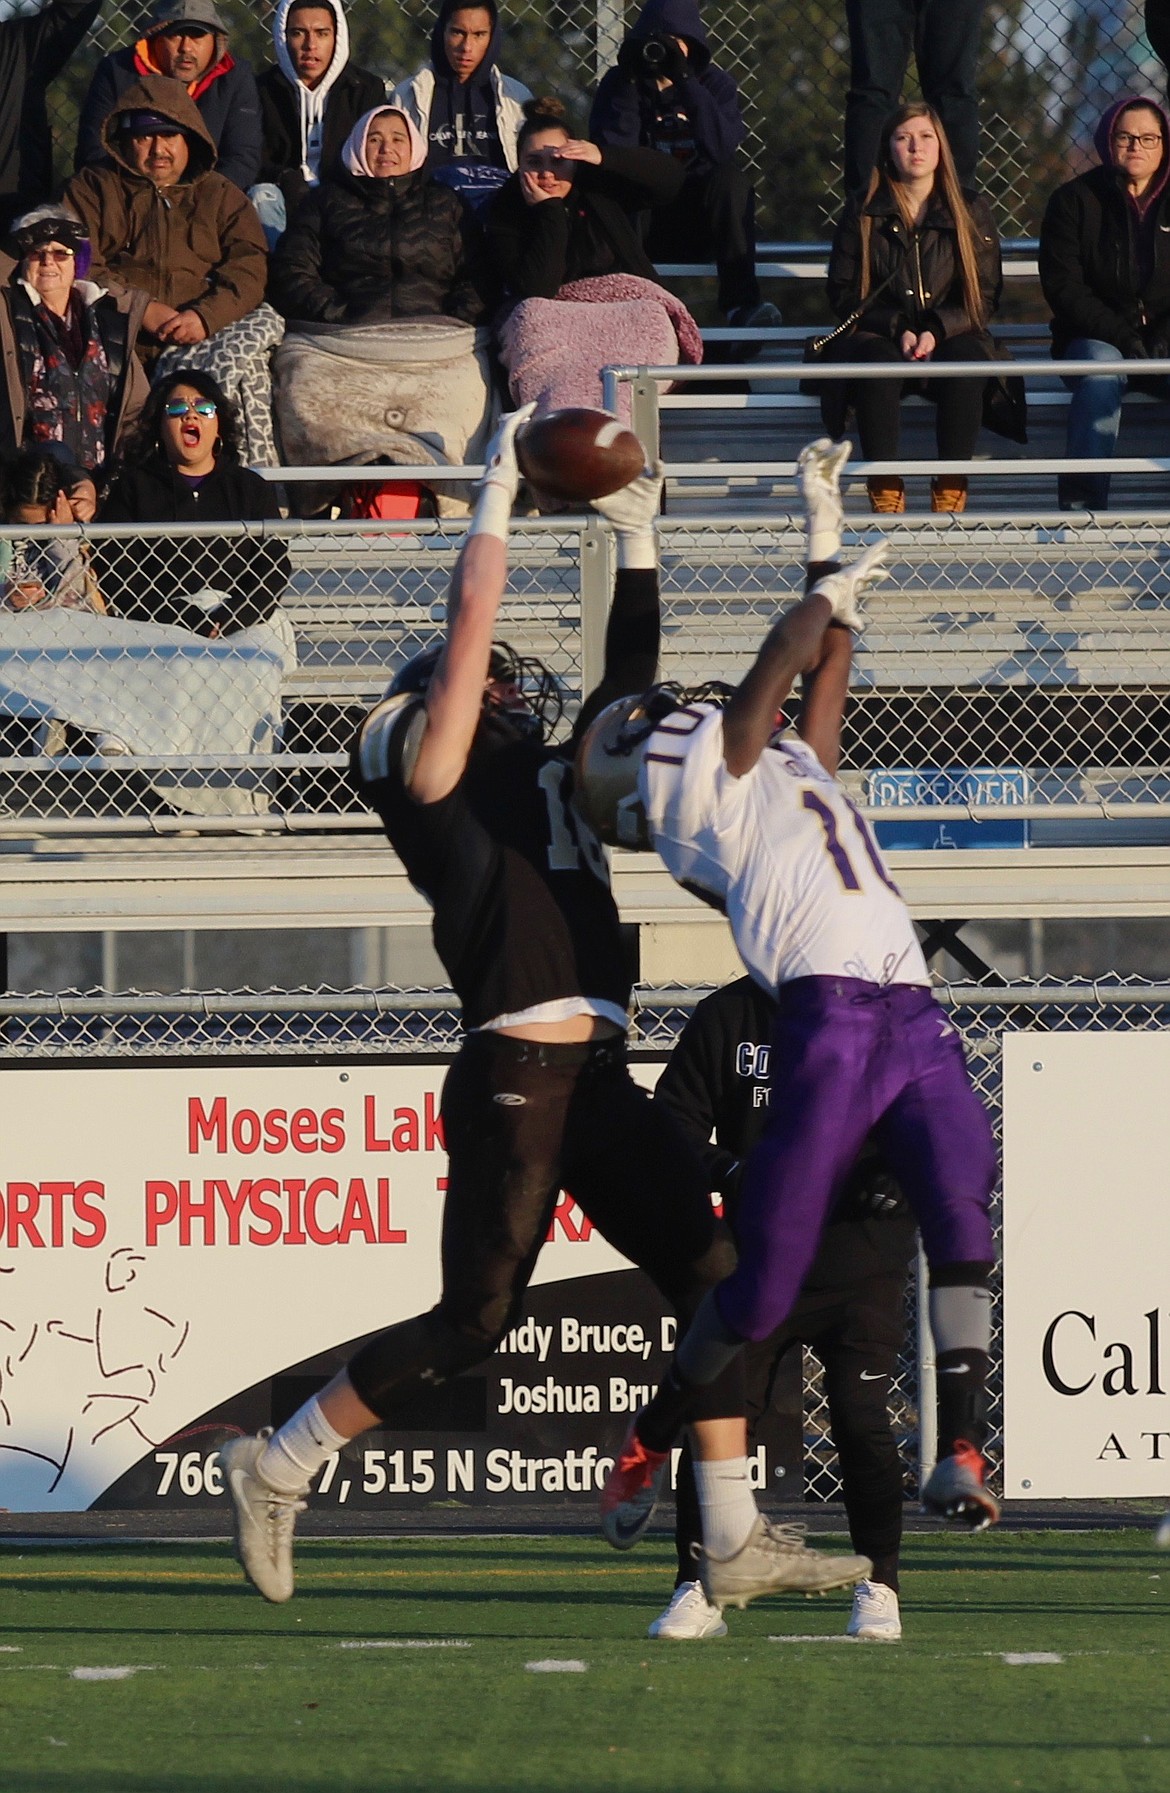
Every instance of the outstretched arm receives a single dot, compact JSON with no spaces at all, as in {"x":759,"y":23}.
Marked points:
{"x":633,"y":629}
{"x":455,"y":693}
{"x":824,"y":696}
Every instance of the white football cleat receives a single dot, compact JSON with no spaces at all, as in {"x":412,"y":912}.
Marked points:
{"x":875,"y":1618}
{"x":690,"y":1614}
{"x":263,"y":1520}
{"x":774,"y":1559}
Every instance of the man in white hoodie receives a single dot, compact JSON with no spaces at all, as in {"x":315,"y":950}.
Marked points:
{"x":310,"y":101}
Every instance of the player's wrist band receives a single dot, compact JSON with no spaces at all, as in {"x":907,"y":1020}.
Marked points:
{"x":637,"y":548}
{"x":493,"y":511}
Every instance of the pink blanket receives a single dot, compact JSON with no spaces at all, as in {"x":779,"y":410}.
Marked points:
{"x":554,"y":349}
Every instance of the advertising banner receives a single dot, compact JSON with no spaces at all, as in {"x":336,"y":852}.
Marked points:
{"x":1086,"y":1246}
{"x":188,"y":1251}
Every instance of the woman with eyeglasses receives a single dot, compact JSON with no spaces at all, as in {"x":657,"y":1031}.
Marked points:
{"x":182,"y":466}
{"x":1105,"y":270}
{"x":72,"y":381}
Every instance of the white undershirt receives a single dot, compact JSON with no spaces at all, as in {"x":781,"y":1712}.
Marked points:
{"x":563,"y":1009}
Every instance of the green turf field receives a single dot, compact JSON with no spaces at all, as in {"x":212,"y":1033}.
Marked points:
{"x":228,"y":1693}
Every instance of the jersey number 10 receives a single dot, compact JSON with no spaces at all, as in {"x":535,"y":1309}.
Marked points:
{"x":841,"y":860}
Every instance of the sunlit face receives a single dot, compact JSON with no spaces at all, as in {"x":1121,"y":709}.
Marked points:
{"x":466,"y":37}
{"x":184,"y":52}
{"x":388,"y":146}
{"x":1137,"y":144}
{"x":540,"y":159}
{"x":914,"y":149}
{"x":311,"y":36}
{"x":50,"y":268}
{"x":162,"y":157}
{"x":189,"y":439}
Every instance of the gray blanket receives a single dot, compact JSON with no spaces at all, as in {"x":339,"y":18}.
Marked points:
{"x":414,"y":392}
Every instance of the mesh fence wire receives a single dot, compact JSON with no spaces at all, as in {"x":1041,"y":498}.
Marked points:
{"x":388,"y":1022}
{"x":1048,"y":69}
{"x":1034,"y":657}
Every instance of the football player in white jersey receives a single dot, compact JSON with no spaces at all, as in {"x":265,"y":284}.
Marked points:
{"x":749,"y":814}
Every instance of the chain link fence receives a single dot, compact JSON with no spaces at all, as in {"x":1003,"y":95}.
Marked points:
{"x":287,"y":1025}
{"x":1008,"y":665}
{"x":1048,"y":70}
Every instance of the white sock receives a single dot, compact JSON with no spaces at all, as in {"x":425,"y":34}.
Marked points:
{"x":726,"y":1503}
{"x":295,"y":1453}
{"x":824,"y":530}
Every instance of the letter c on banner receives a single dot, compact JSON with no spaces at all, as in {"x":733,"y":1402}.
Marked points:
{"x":1051,"y":1377}
{"x":323,"y":1186}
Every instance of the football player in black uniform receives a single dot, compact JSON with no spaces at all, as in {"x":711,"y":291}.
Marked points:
{"x":480,"y":808}
{"x":850,"y":1309}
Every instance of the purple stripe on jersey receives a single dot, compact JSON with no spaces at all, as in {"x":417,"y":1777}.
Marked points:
{"x":666,"y":759}
{"x":849,"y":1058}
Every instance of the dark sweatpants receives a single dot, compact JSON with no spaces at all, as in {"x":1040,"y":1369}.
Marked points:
{"x":856,"y":1333}
{"x":944,"y":36}
{"x":714,"y":216}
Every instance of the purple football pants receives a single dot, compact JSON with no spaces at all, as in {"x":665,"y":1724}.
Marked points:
{"x":850,"y":1058}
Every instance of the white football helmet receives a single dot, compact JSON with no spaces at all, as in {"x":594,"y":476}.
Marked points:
{"x":609,"y":759}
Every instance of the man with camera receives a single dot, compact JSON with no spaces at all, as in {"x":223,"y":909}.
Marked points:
{"x":667,"y":94}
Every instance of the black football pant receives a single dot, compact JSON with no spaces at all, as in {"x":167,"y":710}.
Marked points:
{"x":857,"y":1335}
{"x":523,"y":1121}
{"x":713,"y":215}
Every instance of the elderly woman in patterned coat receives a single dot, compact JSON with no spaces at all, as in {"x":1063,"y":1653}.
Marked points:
{"x":72,"y":383}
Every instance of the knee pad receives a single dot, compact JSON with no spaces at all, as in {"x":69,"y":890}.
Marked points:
{"x":413,"y":1356}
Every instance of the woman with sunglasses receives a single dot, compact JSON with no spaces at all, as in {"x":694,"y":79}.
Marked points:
{"x":1105,"y":270}
{"x":182,"y":466}
{"x":72,"y":381}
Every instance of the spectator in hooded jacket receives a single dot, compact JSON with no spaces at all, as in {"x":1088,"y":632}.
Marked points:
{"x":1105,"y":270}
{"x":310,"y":100}
{"x":34,"y":48}
{"x":160,"y":218}
{"x":381,"y":240}
{"x":186,"y":40}
{"x":667,"y":94}
{"x":468,"y":112}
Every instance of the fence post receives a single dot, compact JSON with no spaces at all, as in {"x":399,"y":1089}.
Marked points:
{"x":596,"y":555}
{"x":611,"y":28}
{"x":644,"y":415}
{"x":927,"y":1379}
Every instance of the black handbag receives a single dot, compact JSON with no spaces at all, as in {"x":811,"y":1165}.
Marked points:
{"x":834,"y":394}
{"x":1005,"y":403}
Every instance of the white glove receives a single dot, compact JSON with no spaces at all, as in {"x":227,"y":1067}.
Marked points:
{"x":844,"y":588}
{"x":819,"y":468}
{"x":633,"y":511}
{"x":501,"y":478}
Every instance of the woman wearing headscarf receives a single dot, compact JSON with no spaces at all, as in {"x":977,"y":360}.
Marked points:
{"x":1105,"y":270}
{"x":379,"y":240}
{"x":72,"y":381}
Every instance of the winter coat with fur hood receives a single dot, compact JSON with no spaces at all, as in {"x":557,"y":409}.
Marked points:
{"x":363,"y":249}
{"x":197,"y":245}
{"x":1099,"y":278}
{"x":304,"y":125}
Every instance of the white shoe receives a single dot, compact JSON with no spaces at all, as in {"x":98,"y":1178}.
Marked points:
{"x":690,"y":1614}
{"x":774,"y":1559}
{"x":263,"y":1519}
{"x":875,"y":1618}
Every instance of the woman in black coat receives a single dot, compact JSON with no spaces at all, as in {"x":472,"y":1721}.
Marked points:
{"x":182,"y":466}
{"x":380,"y":239}
{"x":923,"y":258}
{"x":570,"y":210}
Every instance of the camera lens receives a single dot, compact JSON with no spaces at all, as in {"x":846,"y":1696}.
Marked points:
{"x":653,"y":53}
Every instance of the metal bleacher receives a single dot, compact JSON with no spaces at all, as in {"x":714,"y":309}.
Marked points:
{"x":1011,"y":703}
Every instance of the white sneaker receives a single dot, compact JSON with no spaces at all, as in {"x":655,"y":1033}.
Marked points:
{"x":690,"y":1614}
{"x":262,"y":1519}
{"x":875,"y":1618}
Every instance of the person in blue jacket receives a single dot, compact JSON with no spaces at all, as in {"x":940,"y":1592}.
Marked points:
{"x":667,"y":94}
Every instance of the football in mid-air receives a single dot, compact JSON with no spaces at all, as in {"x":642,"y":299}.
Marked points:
{"x":578,"y":454}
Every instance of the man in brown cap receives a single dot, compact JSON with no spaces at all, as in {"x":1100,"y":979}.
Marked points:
{"x":187,"y":40}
